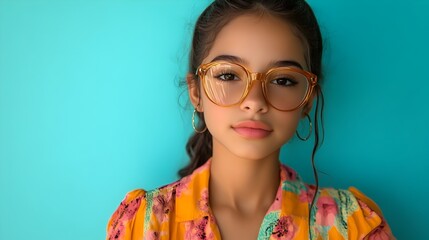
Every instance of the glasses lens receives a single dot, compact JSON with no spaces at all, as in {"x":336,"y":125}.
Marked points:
{"x":225,"y":83}
{"x":286,"y":88}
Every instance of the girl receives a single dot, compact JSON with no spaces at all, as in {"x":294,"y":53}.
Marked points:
{"x":254,"y":73}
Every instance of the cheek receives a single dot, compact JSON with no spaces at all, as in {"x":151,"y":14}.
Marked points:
{"x":289,"y":119}
{"x":287,"y":123}
{"x":215,"y":117}
{"x":213,"y":114}
{"x":295,"y":119}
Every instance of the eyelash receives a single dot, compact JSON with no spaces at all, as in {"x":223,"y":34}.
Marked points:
{"x":226,"y":73}
{"x":290,"y":82}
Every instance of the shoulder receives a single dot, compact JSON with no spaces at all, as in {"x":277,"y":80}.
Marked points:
{"x":336,"y":213}
{"x":122,"y":220}
{"x":141,"y":207}
{"x":349,"y":213}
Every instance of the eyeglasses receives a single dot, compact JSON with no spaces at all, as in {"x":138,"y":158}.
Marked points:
{"x":284,"y":88}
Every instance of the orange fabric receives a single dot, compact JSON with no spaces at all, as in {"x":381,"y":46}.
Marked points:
{"x":181,"y":211}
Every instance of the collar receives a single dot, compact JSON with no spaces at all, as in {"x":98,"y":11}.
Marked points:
{"x":192,"y":195}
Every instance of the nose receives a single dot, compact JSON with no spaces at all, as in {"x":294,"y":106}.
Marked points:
{"x":255,"y":100}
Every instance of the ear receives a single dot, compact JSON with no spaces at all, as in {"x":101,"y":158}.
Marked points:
{"x":194,"y":91}
{"x":307,"y":107}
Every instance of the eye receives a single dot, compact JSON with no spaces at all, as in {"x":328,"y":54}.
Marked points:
{"x":284,"y":81}
{"x":227,"y":77}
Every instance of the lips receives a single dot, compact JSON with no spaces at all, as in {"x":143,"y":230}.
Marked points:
{"x":252,"y":129}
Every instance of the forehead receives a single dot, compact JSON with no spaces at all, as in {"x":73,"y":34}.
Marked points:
{"x":259,"y":40}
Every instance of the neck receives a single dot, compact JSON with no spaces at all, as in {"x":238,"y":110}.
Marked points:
{"x":246,"y":185}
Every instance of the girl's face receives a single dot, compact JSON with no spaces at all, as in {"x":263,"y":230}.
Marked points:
{"x":259,"y":42}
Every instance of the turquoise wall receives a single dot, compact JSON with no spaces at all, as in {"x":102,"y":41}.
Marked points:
{"x":90,"y":108}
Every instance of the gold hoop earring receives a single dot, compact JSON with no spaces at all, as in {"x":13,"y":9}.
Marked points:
{"x":193,"y":124}
{"x":309,"y":133}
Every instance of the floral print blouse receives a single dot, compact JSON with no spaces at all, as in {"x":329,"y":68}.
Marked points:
{"x":181,"y":211}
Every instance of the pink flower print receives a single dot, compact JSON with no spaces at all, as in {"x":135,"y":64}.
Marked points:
{"x":311,"y":191}
{"x":284,"y":228}
{"x":203,"y":203}
{"x":162,"y":206}
{"x":131,"y":208}
{"x":326,"y":211}
{"x":303,"y":196}
{"x":307,"y":195}
{"x":379,"y":233}
{"x":290,"y":173}
{"x":276,"y":205}
{"x":117,"y":232}
{"x":200,"y":228}
{"x":188,"y":230}
{"x":196,"y":230}
{"x":152,"y":235}
{"x":124,"y":213}
{"x":182,"y":186}
{"x":369,"y":213}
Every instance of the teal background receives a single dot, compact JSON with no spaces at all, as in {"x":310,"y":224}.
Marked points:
{"x":90,"y":108}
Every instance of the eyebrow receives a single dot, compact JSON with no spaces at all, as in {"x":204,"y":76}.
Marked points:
{"x":281,"y":63}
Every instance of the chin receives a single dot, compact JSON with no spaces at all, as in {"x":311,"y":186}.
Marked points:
{"x":252,"y":153}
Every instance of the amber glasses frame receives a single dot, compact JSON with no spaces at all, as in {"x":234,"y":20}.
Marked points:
{"x":256,"y":76}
